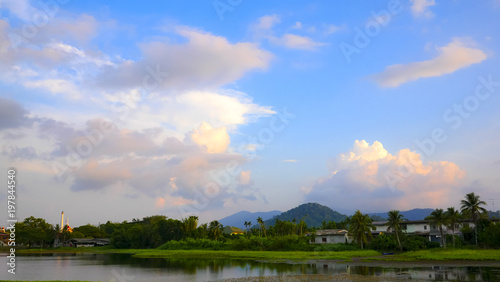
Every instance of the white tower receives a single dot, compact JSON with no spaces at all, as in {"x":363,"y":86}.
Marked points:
{"x":62,"y":221}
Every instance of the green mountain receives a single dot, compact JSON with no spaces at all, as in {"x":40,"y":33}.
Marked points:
{"x":312,"y":213}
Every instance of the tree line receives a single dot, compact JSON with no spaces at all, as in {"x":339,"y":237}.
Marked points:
{"x":471,"y":208}
{"x":159,"y":230}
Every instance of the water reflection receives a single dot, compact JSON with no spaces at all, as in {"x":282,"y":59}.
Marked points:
{"x":105,"y":266}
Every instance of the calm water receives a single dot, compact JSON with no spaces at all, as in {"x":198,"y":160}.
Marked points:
{"x":114,"y":267}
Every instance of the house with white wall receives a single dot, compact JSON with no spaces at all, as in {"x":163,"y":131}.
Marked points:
{"x":330,"y":236}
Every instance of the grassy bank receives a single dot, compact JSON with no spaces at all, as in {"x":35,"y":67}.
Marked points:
{"x":368,"y":255}
{"x":211,"y":254}
{"x":442,"y":255}
{"x":260,"y":255}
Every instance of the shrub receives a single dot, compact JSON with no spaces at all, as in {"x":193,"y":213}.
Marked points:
{"x":414,"y":243}
{"x":384,"y":243}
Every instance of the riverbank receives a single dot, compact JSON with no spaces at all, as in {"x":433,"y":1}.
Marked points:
{"x":365,"y":256}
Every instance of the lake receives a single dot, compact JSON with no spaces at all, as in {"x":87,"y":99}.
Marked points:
{"x":123,"y":267}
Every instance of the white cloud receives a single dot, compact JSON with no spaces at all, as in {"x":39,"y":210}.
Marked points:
{"x":213,"y":140}
{"x":293,"y":41}
{"x":289,"y":161}
{"x":420,"y":8}
{"x":263,"y":29}
{"x":456,"y":55}
{"x":55,"y":86}
{"x":20,"y":8}
{"x":331,"y":29}
{"x":205,"y":61}
{"x":267,"y":22}
{"x":372,"y":178}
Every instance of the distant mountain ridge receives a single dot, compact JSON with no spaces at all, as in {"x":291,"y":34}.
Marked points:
{"x":414,"y":214}
{"x":313,"y":215}
{"x":238,"y":219}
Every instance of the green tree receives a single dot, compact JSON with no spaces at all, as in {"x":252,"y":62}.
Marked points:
{"x":262,"y":226}
{"x":328,"y":225}
{"x":394,"y":223}
{"x":247,"y":225}
{"x":215,"y":230}
{"x":35,"y":231}
{"x":360,"y":228}
{"x":90,"y":230}
{"x":471,"y":206}
{"x":453,"y":217}
{"x":438,"y":217}
{"x":190,"y":225}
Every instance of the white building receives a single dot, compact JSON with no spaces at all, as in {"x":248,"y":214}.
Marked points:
{"x":330,"y":236}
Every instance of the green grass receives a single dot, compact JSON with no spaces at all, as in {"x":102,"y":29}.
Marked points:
{"x":257,"y":255}
{"x":276,"y":256}
{"x":453,"y":254}
{"x":211,"y":254}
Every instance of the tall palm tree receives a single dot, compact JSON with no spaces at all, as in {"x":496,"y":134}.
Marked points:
{"x":360,"y":227}
{"x":438,"y":217}
{"x":262,"y":225}
{"x":453,"y":217}
{"x":471,"y":206}
{"x":395,"y":224}
{"x":249,"y":225}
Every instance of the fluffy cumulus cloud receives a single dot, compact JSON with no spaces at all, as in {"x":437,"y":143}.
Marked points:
{"x":370,"y":178}
{"x":157,"y":127}
{"x":458,"y":54}
{"x":213,"y":140}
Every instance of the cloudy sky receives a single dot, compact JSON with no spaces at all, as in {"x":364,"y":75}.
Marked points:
{"x":113,"y":110}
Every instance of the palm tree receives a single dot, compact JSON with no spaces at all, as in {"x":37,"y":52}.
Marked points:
{"x":360,"y":227}
{"x":472,"y":206}
{"x":453,"y":217}
{"x":438,"y":217}
{"x":395,"y":223}
{"x":262,"y":225}
{"x":249,"y":224}
{"x":246,"y":225}
{"x":215,"y":229}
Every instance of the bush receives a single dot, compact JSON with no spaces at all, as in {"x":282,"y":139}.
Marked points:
{"x":432,"y":245}
{"x":241,"y":243}
{"x":193,"y":244}
{"x":384,"y":243}
{"x":491,"y":235}
{"x":414,"y":243}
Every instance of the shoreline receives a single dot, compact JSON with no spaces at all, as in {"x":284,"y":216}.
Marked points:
{"x":455,"y":257}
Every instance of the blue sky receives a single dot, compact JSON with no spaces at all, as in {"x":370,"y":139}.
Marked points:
{"x":114,"y":110}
